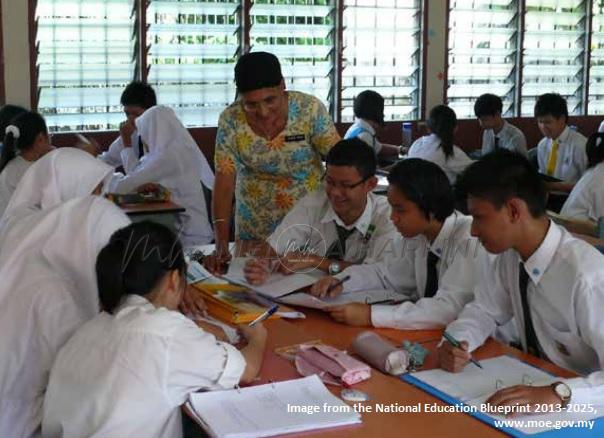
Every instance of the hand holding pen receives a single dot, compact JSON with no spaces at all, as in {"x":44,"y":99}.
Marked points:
{"x":454,"y":355}
{"x":328,"y":287}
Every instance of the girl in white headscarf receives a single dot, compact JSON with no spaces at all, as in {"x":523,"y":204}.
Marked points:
{"x":175,"y":161}
{"x":48,"y":289}
{"x":61,"y":175}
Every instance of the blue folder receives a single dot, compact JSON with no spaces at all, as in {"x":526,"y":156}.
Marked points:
{"x":568,"y":432}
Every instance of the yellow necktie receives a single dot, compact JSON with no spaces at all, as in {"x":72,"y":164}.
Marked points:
{"x":553,"y":159}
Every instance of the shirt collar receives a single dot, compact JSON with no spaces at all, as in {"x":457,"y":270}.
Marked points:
{"x":537,"y":264}
{"x":563,"y":138}
{"x":366,"y":126}
{"x":135,"y":301}
{"x":361,"y":224}
{"x":444,"y":237}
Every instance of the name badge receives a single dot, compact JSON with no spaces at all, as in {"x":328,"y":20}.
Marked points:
{"x":295,"y":137}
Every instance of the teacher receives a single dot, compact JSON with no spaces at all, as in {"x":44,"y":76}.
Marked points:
{"x":268,"y":150}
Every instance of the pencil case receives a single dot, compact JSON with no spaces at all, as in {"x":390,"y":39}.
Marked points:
{"x":380,"y":353}
{"x":333,"y":366}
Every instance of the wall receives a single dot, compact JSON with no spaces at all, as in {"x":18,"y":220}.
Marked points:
{"x":15,"y":37}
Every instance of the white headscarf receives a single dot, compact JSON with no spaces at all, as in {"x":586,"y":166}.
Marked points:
{"x":160,"y":129}
{"x":61,"y":175}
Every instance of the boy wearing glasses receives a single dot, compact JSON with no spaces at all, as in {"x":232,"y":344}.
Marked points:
{"x":333,"y":228}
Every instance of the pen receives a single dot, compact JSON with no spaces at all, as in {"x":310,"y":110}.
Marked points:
{"x":337,"y":283}
{"x":265,"y":315}
{"x":454,"y":342}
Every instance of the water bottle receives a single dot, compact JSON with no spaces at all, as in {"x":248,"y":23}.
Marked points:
{"x":407,"y":136}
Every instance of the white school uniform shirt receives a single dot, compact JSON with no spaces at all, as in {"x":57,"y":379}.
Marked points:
{"x":404,"y":271}
{"x":311,"y":224}
{"x":48,"y":289}
{"x":510,"y":138}
{"x":566,"y":298}
{"x":60,"y":175}
{"x":9,"y":179}
{"x":362,"y":130}
{"x":126,"y":375}
{"x":174,"y":161}
{"x":428,"y":148}
{"x":586,"y":201}
{"x":117,"y":155}
{"x":572,"y":158}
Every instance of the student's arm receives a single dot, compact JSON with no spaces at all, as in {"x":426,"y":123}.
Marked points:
{"x":129,"y":159}
{"x":560,"y":186}
{"x":112,"y":155}
{"x":253,"y":351}
{"x":456,"y":289}
{"x":147,"y":171}
{"x":519,"y":144}
{"x":389,"y":151}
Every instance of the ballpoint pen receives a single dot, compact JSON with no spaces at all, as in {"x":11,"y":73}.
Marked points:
{"x":454,"y":342}
{"x":337,"y":283}
{"x":265,"y":315}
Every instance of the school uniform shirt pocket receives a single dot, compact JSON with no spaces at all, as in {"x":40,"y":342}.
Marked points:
{"x":566,"y":349}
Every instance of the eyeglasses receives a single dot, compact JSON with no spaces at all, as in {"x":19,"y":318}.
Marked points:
{"x":345,"y":187}
{"x":269,"y":103}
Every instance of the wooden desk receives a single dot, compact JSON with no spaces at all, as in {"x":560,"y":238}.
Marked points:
{"x":382,"y":388}
{"x":160,"y":212}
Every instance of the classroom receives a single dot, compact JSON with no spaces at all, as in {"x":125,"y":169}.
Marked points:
{"x":245,"y":218}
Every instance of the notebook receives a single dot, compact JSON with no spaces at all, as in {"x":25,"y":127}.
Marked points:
{"x":473,"y":386}
{"x":272,"y":409}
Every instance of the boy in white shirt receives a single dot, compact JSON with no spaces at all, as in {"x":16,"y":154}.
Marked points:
{"x":498,"y":133}
{"x":551,"y":283}
{"x":432,"y":265}
{"x":561,"y":153}
{"x":333,"y":228}
{"x":126,"y":150}
{"x":368,"y":120}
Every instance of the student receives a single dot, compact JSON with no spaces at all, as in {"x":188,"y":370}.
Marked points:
{"x":432,"y":265}
{"x":498,"y":133}
{"x":331,"y":229}
{"x":438,"y":146}
{"x":7,"y":114}
{"x":128,"y":371}
{"x":586,"y":201}
{"x":175,"y":161}
{"x":48,"y":289}
{"x":126,"y":150}
{"x":368,"y":120}
{"x":63,"y":174}
{"x":561,"y":153}
{"x":26,"y":140}
{"x":549,"y":281}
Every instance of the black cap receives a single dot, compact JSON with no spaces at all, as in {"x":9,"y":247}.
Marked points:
{"x":369,"y":105}
{"x":257,"y":70}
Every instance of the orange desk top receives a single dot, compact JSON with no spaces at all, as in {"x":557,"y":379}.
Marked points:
{"x":152,"y":208}
{"x":382,"y":388}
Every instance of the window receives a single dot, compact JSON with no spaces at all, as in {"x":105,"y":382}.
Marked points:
{"x":301,"y":34}
{"x":85,"y":59}
{"x":382,"y":42}
{"x":192,"y":52}
{"x":483,"y":42}
{"x":553,"y":52}
{"x":596,"y":71}
{"x":89,"y":50}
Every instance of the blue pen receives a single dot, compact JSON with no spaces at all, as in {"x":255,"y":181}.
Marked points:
{"x":265,"y":315}
{"x":454,"y":342}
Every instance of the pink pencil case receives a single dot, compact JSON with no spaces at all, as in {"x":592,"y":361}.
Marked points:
{"x":333,"y":366}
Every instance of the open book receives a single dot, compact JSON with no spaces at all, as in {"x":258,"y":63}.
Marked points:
{"x":272,"y":409}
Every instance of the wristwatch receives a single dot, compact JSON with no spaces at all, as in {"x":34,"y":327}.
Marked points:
{"x":334,"y":268}
{"x":563,"y":391}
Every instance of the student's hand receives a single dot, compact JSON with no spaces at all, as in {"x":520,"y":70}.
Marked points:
{"x":127,"y":128}
{"x":357,"y":314}
{"x":256,"y":334}
{"x":453,"y":359}
{"x":296,"y":261}
{"x":257,"y":271}
{"x":319,"y":289}
{"x":525,"y":395}
{"x":217,"y":262}
{"x":218,"y":332}
{"x":192,"y":302}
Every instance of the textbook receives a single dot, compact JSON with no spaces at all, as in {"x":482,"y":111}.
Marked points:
{"x":236,"y":305}
{"x":272,"y":409}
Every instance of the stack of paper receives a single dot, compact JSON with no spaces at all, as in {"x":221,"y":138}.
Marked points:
{"x":272,"y":409}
